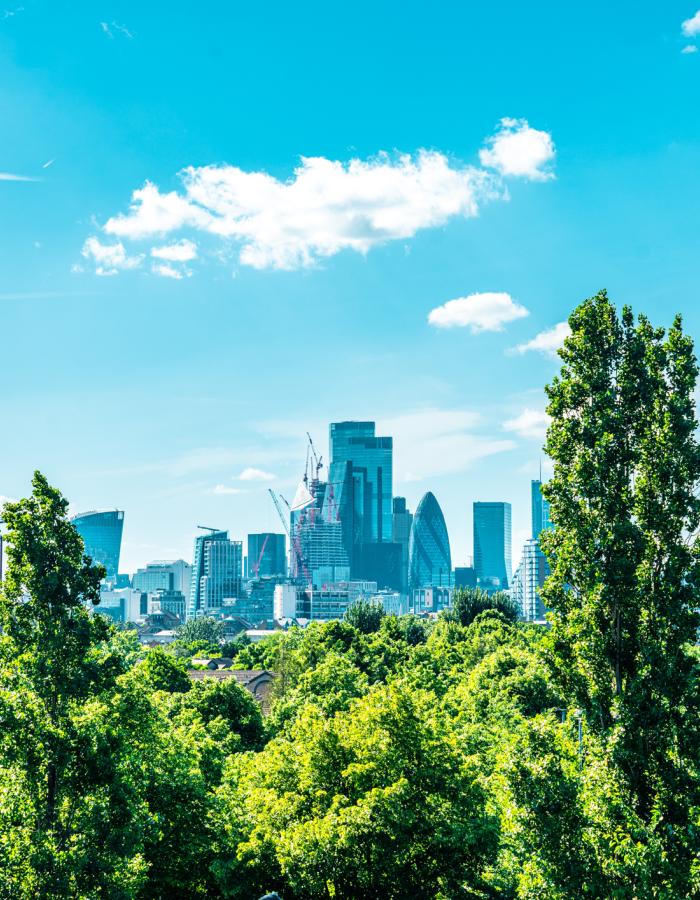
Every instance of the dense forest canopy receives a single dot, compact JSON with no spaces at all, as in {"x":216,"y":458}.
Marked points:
{"x":472,"y":756}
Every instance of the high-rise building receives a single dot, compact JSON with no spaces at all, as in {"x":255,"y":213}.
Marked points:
{"x":429,"y":560}
{"x":371,"y":458}
{"x":402,"y":522}
{"x":492,"y":545}
{"x":164,"y":575}
{"x":267,"y":554}
{"x":101,"y":531}
{"x":360,"y":494}
{"x":216,"y":573}
{"x":540,"y":509}
{"x":527,"y":581}
{"x":464,"y":577}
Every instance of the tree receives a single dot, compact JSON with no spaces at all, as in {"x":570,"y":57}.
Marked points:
{"x":365,"y":615}
{"x":202,"y":630}
{"x":468,"y":603}
{"x":161,"y":671}
{"x":55,"y":657}
{"x":624,"y":558}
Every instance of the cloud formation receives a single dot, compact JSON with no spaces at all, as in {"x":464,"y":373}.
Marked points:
{"x":11,"y":176}
{"x":689,"y":48}
{"x":546,"y":342}
{"x":109,"y":258}
{"x":531,"y":424}
{"x":478,"y":312}
{"x":519,"y":150}
{"x":252,"y":474}
{"x":431,"y":442}
{"x":690,"y":27}
{"x":225,"y":489}
{"x":328,"y":206}
{"x":181,"y":251}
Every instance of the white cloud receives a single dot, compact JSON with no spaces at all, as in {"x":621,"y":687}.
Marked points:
{"x":546,"y":342}
{"x":328,"y":206}
{"x":167,"y":271}
{"x":691,"y":26}
{"x":432,"y":442}
{"x":690,"y":48}
{"x":109,"y":258}
{"x":252,"y":474}
{"x":519,"y":150}
{"x":110,"y":28}
{"x":181,"y":251}
{"x":531,"y":423}
{"x":11,"y":176}
{"x":478,"y":312}
{"x":225,"y":489}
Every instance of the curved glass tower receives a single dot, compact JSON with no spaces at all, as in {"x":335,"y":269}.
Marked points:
{"x":101,"y":532}
{"x":429,"y":560}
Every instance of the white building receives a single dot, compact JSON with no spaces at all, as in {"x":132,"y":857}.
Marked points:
{"x":527,"y":581}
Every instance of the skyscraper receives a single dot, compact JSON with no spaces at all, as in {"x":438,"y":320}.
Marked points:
{"x":267,"y":554}
{"x":429,"y":560}
{"x":403,"y":520}
{"x":360,"y":479}
{"x":101,"y":531}
{"x":492,"y":545}
{"x":216,"y":573}
{"x":527,"y":581}
{"x":540,"y":509}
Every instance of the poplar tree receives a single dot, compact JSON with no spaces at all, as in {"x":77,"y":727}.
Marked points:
{"x":624,"y":558}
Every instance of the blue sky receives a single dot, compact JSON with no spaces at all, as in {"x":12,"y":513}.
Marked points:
{"x":305,"y":289}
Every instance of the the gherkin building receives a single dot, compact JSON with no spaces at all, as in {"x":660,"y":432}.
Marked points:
{"x":429,"y":561}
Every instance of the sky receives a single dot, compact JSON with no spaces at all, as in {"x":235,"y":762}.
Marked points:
{"x":224,"y":225}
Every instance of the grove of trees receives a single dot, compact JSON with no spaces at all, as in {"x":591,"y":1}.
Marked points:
{"x":471,"y":756}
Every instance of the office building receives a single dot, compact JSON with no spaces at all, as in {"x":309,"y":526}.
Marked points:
{"x":429,"y":560}
{"x":402,"y":522}
{"x":168,"y":602}
{"x":267,"y":555}
{"x":164,"y":575}
{"x":540,"y":509}
{"x":527,"y":581}
{"x":216,"y":573}
{"x":465,"y":577}
{"x":492,"y":545}
{"x":101,"y":531}
{"x":123,"y":605}
{"x":360,"y":498}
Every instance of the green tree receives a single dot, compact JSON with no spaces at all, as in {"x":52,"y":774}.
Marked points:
{"x":202,"y":630}
{"x":624,"y":558}
{"x":161,"y":671}
{"x":468,"y":603}
{"x":365,"y":615}
{"x":55,"y":657}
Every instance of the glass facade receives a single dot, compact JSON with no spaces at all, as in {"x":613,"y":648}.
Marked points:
{"x":101,"y":532}
{"x":403,"y":520}
{"x":267,"y":554}
{"x":216,"y":573}
{"x":371,"y":459}
{"x":540,"y":509}
{"x":164,"y":575}
{"x":429,"y":560}
{"x":492,"y":545}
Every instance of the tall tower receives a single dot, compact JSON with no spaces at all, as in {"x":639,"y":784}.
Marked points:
{"x":101,"y":531}
{"x":540,"y":509}
{"x":492,"y":545}
{"x":216,"y":573}
{"x":361,"y":476}
{"x":429,"y":559}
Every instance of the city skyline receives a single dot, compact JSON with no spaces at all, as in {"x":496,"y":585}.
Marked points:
{"x":198,"y":267}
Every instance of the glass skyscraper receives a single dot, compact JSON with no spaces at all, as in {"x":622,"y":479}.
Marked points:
{"x":101,"y":531}
{"x":403,"y":521}
{"x":371,"y":459}
{"x":429,"y":560}
{"x":492,"y":545}
{"x":267,"y":554}
{"x":360,"y":491}
{"x":540,"y":509}
{"x":216,"y":573}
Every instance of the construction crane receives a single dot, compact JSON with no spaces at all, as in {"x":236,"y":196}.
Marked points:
{"x":318,"y":460}
{"x":256,"y":565}
{"x":208,"y":528}
{"x":275,"y":500}
{"x":294,"y":541}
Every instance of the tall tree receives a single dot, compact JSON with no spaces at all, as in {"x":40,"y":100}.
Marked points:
{"x":624,"y":555}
